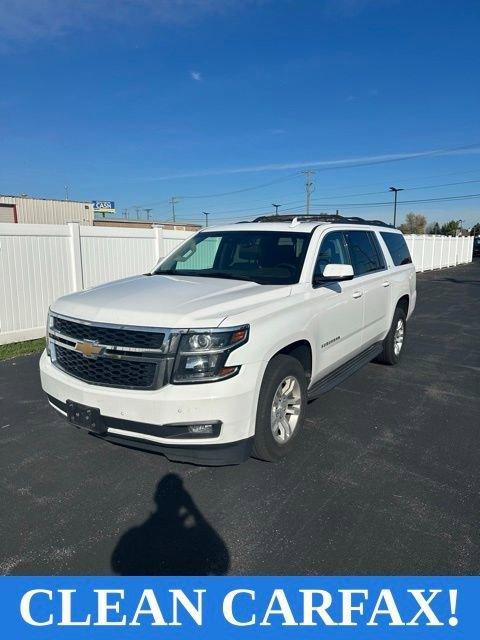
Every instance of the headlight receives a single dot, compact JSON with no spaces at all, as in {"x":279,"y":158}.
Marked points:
{"x":202,"y":355}
{"x":47,"y":336}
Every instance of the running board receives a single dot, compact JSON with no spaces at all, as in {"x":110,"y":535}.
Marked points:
{"x":345,"y":371}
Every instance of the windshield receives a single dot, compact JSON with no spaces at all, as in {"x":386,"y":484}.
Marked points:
{"x":265,"y":257}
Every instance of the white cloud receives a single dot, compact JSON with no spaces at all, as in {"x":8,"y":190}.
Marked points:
{"x":29,"y":21}
{"x":325,"y":164}
{"x":196,"y":75}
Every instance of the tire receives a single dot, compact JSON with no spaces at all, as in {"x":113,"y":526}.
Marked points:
{"x":392,"y":350}
{"x":269,"y":444}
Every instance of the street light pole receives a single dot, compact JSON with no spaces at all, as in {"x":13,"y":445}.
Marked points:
{"x":206,"y":214}
{"x":395,"y":190}
{"x":276,"y":207}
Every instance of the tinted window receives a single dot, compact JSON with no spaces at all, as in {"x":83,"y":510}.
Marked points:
{"x":266,"y":257}
{"x":364,"y":253}
{"x":397,"y":247}
{"x":333,"y":250}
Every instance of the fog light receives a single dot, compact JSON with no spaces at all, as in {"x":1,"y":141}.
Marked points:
{"x":201,"y":428}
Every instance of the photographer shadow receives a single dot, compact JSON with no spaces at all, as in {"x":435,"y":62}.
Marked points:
{"x":175,"y":540}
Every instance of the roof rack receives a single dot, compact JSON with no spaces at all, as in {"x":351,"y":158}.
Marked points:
{"x":321,"y":218}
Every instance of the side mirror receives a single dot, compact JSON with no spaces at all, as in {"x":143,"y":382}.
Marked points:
{"x":334,"y":273}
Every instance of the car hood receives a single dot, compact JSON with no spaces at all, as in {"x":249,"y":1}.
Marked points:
{"x":167,"y":301}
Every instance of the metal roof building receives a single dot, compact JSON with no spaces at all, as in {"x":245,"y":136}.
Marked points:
{"x":23,"y":209}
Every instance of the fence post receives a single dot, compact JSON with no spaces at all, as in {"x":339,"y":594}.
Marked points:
{"x":433,"y":252}
{"x":159,"y":244}
{"x":423,"y":254}
{"x":76,"y":256}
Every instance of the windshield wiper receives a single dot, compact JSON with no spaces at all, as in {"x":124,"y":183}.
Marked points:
{"x":228,"y":276}
{"x":171,"y":272}
{"x":199,"y":274}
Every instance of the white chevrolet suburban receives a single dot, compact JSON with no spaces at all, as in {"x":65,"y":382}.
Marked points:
{"x":213,"y":355}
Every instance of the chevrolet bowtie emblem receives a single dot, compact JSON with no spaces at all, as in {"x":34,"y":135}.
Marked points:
{"x":88,"y":349}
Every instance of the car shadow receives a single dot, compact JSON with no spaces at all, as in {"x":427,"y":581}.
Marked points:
{"x":176,"y":539}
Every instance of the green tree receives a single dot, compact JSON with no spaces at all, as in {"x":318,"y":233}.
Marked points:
{"x":414,"y":223}
{"x":475,"y":230}
{"x":433,"y":229}
{"x":450,"y":228}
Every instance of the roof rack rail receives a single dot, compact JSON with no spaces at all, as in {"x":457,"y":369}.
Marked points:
{"x":321,"y":218}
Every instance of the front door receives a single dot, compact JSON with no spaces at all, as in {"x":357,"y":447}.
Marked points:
{"x":338,"y":309}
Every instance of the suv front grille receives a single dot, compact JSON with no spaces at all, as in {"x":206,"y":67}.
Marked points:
{"x":110,"y":355}
{"x":115,"y":337}
{"x":107,"y":371}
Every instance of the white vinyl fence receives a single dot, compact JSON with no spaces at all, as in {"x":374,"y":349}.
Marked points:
{"x":39,"y":263}
{"x":438,"y":252}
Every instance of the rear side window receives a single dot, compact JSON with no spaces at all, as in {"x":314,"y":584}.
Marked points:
{"x":366,"y":257}
{"x":397,"y":247}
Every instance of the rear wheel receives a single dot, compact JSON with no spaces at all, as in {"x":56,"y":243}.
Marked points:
{"x":281,"y":408}
{"x":393,"y":343}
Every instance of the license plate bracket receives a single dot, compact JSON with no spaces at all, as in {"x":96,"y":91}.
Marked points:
{"x":84,"y":417}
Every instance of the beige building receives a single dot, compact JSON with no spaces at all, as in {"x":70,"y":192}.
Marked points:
{"x":23,"y":209}
{"x":147,"y":224}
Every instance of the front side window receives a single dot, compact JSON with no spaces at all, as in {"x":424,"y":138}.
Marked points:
{"x":333,"y":250}
{"x":265,"y":257}
{"x":397,"y":247}
{"x":364,"y":252}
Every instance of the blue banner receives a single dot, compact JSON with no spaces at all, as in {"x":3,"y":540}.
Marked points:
{"x":367,"y":608}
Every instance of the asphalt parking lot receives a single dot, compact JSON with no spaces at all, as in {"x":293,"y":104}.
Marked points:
{"x":386,"y":479}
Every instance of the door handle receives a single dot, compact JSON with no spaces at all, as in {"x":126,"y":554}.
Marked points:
{"x":357,"y":294}
{"x":386,"y":284}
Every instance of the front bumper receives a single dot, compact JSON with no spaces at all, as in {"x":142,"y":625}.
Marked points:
{"x":232,"y":402}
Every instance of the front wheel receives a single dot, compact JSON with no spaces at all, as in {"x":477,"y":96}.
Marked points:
{"x":393,"y":343}
{"x":281,"y":408}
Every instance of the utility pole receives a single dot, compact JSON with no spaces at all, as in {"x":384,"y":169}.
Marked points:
{"x":206,"y":214}
{"x":147,"y":211}
{"x":174,"y":201}
{"x":395,"y":190}
{"x":66,"y":192}
{"x":276,"y":207}
{"x":137,"y":210}
{"x":125,"y":214}
{"x":309,"y":187}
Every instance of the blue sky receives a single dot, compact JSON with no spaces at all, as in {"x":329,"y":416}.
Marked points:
{"x":185,"y":98}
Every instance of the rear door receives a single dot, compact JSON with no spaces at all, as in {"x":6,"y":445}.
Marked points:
{"x":371,"y":280}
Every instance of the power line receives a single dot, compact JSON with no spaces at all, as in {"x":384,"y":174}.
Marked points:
{"x":258,"y":186}
{"x":372,"y":204}
{"x":374,"y":193}
{"x":369,"y":204}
